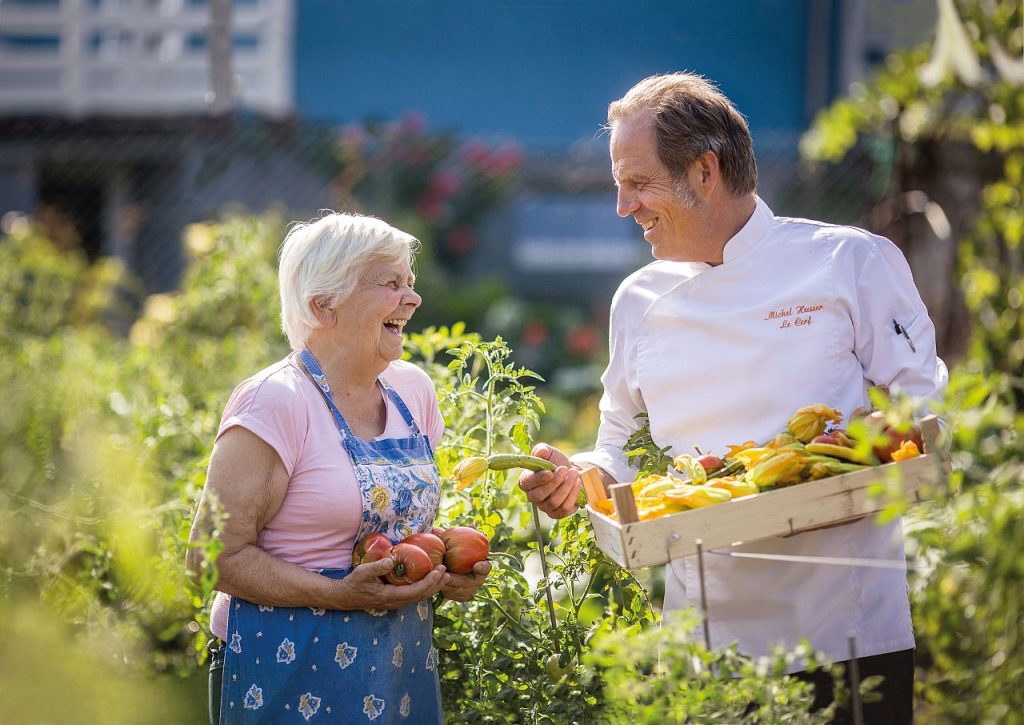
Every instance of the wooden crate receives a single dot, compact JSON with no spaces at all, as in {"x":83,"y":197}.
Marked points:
{"x":780,"y":512}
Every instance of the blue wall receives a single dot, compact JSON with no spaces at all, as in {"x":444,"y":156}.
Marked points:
{"x":542,"y":72}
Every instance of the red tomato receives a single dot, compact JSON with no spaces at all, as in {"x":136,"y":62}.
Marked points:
{"x":464,"y":547}
{"x":372,"y":547}
{"x":411,"y":564}
{"x":430,"y":544}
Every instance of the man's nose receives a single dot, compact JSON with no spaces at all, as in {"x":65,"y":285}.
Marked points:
{"x":625,"y":202}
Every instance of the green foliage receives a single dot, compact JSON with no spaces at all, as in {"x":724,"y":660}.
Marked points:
{"x":643,"y":453}
{"x":500,"y":659}
{"x":664,"y":676}
{"x":967,"y":601}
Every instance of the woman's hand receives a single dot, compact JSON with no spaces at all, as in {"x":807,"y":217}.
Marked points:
{"x":363,"y":588}
{"x":463,"y":587}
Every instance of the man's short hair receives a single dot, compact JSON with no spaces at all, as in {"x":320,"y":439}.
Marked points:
{"x":691,"y":117}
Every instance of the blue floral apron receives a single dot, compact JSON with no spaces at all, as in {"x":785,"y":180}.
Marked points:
{"x":299,"y":664}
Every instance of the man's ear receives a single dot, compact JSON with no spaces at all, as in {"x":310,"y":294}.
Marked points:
{"x":706,"y":174}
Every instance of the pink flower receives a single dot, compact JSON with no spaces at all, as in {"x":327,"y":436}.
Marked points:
{"x":443,"y":184}
{"x":507,"y":158}
{"x":460,"y":239}
{"x":475,"y":153}
{"x":413,"y":123}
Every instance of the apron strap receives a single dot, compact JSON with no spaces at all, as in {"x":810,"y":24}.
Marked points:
{"x":320,"y":379}
{"x":321,"y":382}
{"x":402,"y":408}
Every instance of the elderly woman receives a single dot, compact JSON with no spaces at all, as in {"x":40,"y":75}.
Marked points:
{"x":330,"y":444}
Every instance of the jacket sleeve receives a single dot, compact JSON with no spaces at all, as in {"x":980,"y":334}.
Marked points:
{"x":894,"y":338}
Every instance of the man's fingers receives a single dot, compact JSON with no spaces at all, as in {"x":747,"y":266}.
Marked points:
{"x":550,"y":453}
{"x":552,"y":485}
{"x":530,"y":481}
{"x":561,"y":497}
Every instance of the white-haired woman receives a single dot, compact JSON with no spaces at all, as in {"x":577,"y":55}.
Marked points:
{"x":330,"y":444}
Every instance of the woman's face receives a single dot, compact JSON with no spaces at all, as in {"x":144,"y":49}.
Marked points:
{"x":376,"y":312}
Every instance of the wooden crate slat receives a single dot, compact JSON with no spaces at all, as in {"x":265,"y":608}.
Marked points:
{"x":781,"y":512}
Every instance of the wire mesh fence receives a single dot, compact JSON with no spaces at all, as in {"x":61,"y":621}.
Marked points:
{"x":516,"y":242}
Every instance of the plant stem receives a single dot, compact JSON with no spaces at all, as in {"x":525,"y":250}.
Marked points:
{"x":586,"y":591}
{"x":544,"y":565}
{"x":512,"y":620}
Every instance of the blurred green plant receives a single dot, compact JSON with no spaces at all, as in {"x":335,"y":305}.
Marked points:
{"x":663,"y":675}
{"x":967,"y":88}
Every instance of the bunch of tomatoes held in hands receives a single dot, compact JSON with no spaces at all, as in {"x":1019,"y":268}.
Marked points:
{"x":415,"y":556}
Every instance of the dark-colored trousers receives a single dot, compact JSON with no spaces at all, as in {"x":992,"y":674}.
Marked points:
{"x":216,"y":678}
{"x":896,"y":706}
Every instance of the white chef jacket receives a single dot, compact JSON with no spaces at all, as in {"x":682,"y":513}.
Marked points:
{"x":799,"y":312}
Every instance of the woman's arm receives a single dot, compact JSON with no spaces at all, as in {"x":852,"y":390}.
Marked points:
{"x":249,"y":481}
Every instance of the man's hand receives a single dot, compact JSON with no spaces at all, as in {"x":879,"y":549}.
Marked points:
{"x":463,"y":587}
{"x":554,"y":492}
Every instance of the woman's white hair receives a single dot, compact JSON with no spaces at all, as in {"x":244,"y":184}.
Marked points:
{"x":321,"y":261}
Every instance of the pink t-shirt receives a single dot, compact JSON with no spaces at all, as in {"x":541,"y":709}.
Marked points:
{"x":319,"y":518}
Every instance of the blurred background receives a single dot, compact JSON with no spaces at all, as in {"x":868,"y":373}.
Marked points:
{"x":152,"y":153}
{"x":477,"y":125}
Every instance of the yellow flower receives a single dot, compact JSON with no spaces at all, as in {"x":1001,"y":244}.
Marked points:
{"x":380,"y":497}
{"x":750,"y":457}
{"x":906,"y":451}
{"x":736,"y":486}
{"x":811,"y":421}
{"x":468,"y":470}
{"x":782,"y":468}
{"x":691,"y":467}
{"x":733,"y":450}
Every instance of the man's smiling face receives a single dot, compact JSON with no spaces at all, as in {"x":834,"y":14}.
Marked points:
{"x":667,"y":209}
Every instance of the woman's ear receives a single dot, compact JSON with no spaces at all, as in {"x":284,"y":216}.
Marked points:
{"x":326,"y":316}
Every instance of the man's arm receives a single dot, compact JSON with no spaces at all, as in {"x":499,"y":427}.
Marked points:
{"x":893,"y":335}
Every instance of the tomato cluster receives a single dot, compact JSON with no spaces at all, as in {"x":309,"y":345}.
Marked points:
{"x":458,"y":548}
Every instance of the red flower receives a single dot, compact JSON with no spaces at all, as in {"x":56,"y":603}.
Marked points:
{"x":582,"y":340}
{"x":460,"y":239}
{"x":534,"y":333}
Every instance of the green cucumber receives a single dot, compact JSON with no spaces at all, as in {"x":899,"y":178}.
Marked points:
{"x":505,"y":461}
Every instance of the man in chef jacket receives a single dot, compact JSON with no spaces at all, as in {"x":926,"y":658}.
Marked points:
{"x":744,"y":318}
